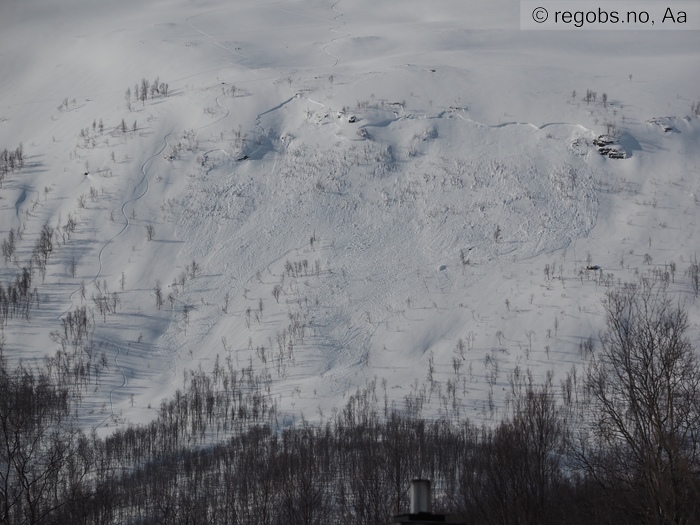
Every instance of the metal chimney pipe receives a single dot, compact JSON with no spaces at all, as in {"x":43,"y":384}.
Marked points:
{"x":420,"y":496}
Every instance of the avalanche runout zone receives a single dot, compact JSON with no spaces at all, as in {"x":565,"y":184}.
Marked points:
{"x":361,"y":194}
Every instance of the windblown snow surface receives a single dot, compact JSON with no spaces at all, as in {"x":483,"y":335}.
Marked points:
{"x":361,"y":184}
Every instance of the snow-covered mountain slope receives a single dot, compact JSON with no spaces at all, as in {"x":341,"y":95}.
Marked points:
{"x":394,"y":192}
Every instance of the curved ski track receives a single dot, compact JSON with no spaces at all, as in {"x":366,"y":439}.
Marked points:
{"x":127,"y":223}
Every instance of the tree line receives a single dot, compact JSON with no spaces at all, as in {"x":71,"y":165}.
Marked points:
{"x":11,"y":160}
{"x":614,"y":443}
{"x":17,"y":297}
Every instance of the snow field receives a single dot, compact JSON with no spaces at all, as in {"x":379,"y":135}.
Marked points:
{"x":462,"y":127}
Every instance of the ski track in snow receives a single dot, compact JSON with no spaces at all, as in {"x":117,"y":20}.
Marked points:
{"x":335,"y":30}
{"x":144,"y":179}
{"x":127,"y":222}
{"x":188,"y":21}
